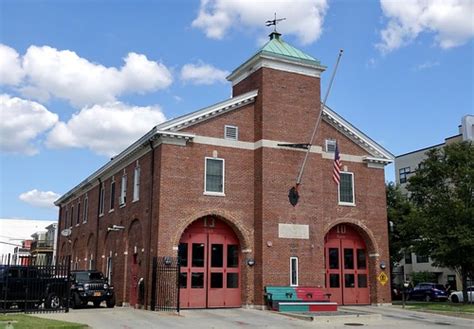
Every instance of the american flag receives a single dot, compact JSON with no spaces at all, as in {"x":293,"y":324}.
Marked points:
{"x":336,"y":173}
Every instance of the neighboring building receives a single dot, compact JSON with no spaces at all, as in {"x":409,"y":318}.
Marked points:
{"x":22,"y":254}
{"x":406,"y":165}
{"x":43,"y":246}
{"x":212,"y":187}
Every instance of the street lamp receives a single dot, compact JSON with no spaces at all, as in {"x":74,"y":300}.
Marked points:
{"x":405,"y":286}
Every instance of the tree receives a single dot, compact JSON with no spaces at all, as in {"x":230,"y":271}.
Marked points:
{"x":442,"y":191}
{"x":401,"y":235}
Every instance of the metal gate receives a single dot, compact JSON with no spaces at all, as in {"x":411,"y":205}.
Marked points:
{"x":165,"y":284}
{"x":31,"y":285}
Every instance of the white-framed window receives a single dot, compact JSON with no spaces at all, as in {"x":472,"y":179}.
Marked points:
{"x":123,"y":189}
{"x":65,"y":218}
{"x":293,"y":271}
{"x":71,"y":219}
{"x":136,"y":182}
{"x":85,"y":210}
{"x":214,"y":176}
{"x":231,"y":132}
{"x":101,"y":198}
{"x":330,"y":145}
{"x":78,"y":215}
{"x":403,"y":174}
{"x":112,"y":194}
{"x":346,"y":189}
{"x":108,"y":270}
{"x":91,"y":262}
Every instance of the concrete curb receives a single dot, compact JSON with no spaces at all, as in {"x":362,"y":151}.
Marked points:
{"x":346,"y":318}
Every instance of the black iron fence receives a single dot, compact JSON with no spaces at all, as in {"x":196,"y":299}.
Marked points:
{"x":165,"y":284}
{"x":29,"y":285}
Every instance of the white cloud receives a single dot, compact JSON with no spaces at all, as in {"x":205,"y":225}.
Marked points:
{"x":49,"y":72}
{"x":106,"y":129}
{"x":304,"y":17}
{"x":449,"y":20}
{"x":426,"y":65}
{"x":21,"y":122}
{"x":11,"y":72}
{"x":40,"y":199}
{"x":203,"y":74}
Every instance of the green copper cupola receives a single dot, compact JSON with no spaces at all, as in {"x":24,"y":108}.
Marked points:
{"x":279,"y":55}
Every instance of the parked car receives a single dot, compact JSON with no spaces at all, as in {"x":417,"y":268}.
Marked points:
{"x":90,"y":286}
{"x":457,"y":297}
{"x":428,"y":291}
{"x":31,"y":286}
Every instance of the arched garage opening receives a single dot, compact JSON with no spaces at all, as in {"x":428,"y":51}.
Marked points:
{"x":347,"y":265}
{"x":210,"y":265}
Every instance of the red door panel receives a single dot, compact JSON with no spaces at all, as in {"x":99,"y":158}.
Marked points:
{"x":346,"y":266}
{"x":210,"y":273}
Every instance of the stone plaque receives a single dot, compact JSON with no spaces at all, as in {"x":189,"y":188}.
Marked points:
{"x":293,"y":231}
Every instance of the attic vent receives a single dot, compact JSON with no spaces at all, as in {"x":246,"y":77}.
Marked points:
{"x":231,"y":132}
{"x":330,"y":145}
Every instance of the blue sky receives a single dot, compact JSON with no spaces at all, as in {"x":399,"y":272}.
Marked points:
{"x":74,"y":74}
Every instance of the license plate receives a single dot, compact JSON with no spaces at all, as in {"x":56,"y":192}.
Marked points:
{"x":97,"y":293}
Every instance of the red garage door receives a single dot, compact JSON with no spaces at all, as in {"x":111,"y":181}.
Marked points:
{"x":346,"y":266}
{"x":210,"y":272}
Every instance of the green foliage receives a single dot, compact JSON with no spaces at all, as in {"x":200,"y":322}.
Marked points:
{"x":401,"y":233}
{"x":425,"y":276}
{"x":442,"y":191}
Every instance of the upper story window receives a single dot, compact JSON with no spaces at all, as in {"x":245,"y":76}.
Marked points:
{"x":231,"y":132}
{"x":78,"y":215}
{"x":123,"y":189}
{"x":214,"y":180}
{"x":101,"y":199}
{"x":86,"y":209}
{"x":71,"y":217}
{"x":136,"y":182}
{"x":330,"y":145}
{"x":407,"y":257}
{"x":403,"y":174}
{"x":346,"y":189}
{"x":422,"y":259}
{"x":293,"y":271}
{"x":65,"y":218}
{"x":112,"y":194}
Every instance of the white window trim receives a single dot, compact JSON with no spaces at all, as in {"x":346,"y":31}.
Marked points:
{"x":78,"y":215}
{"x":291,"y":271}
{"x":136,"y":183}
{"x":85,"y":210}
{"x":341,"y":203}
{"x":101,"y":199}
{"x":123,"y":190}
{"x":210,"y":193}
{"x":326,"y":142}
{"x":71,"y":223}
{"x":112,"y":182}
{"x":236,"y":132}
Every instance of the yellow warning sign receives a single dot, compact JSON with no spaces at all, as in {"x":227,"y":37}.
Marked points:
{"x":383,"y":278}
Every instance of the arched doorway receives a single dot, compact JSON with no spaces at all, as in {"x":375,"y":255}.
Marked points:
{"x":210,"y":265}
{"x":346,"y":266}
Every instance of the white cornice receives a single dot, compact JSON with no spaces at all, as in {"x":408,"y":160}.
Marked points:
{"x":208,"y":112}
{"x":274,"y":62}
{"x":375,"y":149}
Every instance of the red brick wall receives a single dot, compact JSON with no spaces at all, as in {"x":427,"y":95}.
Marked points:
{"x":256,"y":194}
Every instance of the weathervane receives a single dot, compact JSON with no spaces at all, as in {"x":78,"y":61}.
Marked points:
{"x":274,"y":22}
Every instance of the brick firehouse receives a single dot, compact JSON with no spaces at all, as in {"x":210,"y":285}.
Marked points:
{"x":212,"y":188}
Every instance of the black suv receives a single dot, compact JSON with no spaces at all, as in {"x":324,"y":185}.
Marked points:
{"x":90,"y":286}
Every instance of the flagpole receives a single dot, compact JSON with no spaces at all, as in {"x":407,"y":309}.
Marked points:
{"x":300,"y":175}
